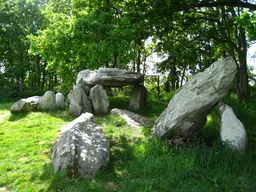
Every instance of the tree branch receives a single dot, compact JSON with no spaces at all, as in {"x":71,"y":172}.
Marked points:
{"x":230,"y":3}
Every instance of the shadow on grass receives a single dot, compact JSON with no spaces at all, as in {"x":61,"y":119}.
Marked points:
{"x":65,"y":115}
{"x":121,"y":153}
{"x":152,"y":165}
{"x":18,"y":116}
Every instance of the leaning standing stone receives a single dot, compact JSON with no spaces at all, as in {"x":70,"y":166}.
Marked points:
{"x":47,"y":102}
{"x":187,"y":110}
{"x":232,"y":131}
{"x":60,"y":101}
{"x":99,"y":99}
{"x":82,"y":148}
{"x":139,"y":97}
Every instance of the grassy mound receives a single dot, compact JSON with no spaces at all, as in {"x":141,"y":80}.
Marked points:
{"x":138,"y":162}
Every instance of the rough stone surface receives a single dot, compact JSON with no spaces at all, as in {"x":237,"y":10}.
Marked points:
{"x":79,"y":102}
{"x":81,"y":149}
{"x":138,"y":98}
{"x":25,"y":105}
{"x":110,"y":77}
{"x":47,"y":101}
{"x":232,"y":131}
{"x":83,"y":84}
{"x":60,"y":101}
{"x":99,"y":99}
{"x":132,"y":119}
{"x":187,"y":110}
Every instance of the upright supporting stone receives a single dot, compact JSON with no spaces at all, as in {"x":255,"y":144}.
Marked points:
{"x":139,"y":97}
{"x":99,"y":99}
{"x":78,"y":101}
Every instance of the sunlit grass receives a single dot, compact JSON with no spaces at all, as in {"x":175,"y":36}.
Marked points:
{"x":138,"y":162}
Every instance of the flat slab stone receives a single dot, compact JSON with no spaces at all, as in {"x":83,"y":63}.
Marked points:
{"x":109,"y":77}
{"x":132,"y":119}
{"x":25,"y":105}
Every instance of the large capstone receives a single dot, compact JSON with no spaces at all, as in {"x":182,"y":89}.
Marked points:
{"x":99,"y":99}
{"x":132,"y":119}
{"x":81,"y":149}
{"x":109,"y":77}
{"x":138,"y":98}
{"x":187,"y":110}
{"x":60,"y":101}
{"x":25,"y":105}
{"x":232,"y":131}
{"x":79,"y":102}
{"x":47,"y":101}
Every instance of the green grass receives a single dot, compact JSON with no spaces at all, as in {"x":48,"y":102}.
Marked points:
{"x":138,"y":162}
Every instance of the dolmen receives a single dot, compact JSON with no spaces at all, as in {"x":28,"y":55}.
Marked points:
{"x":187,"y":110}
{"x":89,"y":94}
{"x":49,"y":101}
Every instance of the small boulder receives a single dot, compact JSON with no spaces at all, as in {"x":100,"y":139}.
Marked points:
{"x":232,"y":131}
{"x":81,"y":149}
{"x":99,"y":99}
{"x":25,"y":105}
{"x":47,"y":101}
{"x":139,"y":97}
{"x":78,"y":101}
{"x":60,"y":101}
{"x":132,"y":119}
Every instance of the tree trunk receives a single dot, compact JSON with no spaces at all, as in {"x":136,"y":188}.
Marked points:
{"x":138,"y":60}
{"x":243,"y":83}
{"x":115,"y":60}
{"x":44,"y":76}
{"x":183,"y":75}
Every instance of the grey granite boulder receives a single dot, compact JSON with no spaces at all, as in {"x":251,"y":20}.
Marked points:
{"x":83,"y":84}
{"x":187,"y":110}
{"x":110,"y":77}
{"x":79,"y":102}
{"x":132,"y":119}
{"x":25,"y":105}
{"x":81,"y":149}
{"x":60,"y":101}
{"x":232,"y":131}
{"x":139,"y":97}
{"x":99,"y":99}
{"x":47,"y":101}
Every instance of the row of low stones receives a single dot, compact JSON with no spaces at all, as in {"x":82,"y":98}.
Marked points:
{"x":48,"y":101}
{"x":79,"y":102}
